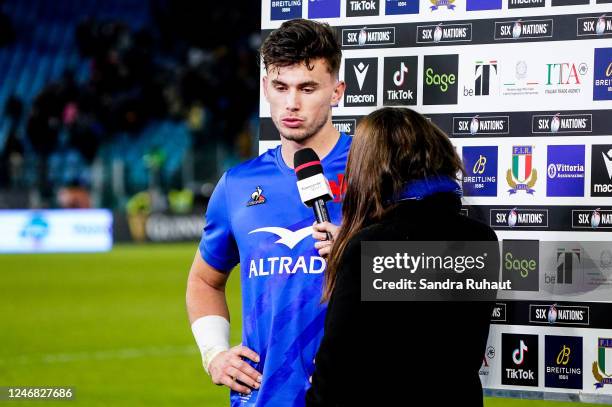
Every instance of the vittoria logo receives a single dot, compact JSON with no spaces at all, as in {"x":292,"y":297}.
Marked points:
{"x":402,"y":7}
{"x":285,"y":9}
{"x":522,"y":176}
{"x":562,"y":123}
{"x":602,"y":368}
{"x":597,"y":26}
{"x":525,"y":3}
{"x":563,"y":362}
{"x":592,"y":219}
{"x":554,"y":314}
{"x":565,"y":170}
{"x":515,"y":30}
{"x":257,"y":197}
{"x":520,"y":359}
{"x":353,"y":37}
{"x":444,"y":33}
{"x":357,"y":8}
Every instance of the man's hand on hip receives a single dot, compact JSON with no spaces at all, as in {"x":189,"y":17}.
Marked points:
{"x":228,"y":367}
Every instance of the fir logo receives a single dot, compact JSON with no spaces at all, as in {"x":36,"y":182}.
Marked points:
{"x":257,"y":197}
{"x":522,"y":176}
{"x":602,"y":368}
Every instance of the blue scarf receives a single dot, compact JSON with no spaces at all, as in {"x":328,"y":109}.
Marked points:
{"x":422,"y":188}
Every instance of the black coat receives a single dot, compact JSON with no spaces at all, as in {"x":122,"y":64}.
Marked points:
{"x":389,"y":353}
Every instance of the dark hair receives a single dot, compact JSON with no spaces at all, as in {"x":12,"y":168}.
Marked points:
{"x":300,"y":41}
{"x":391,"y":147}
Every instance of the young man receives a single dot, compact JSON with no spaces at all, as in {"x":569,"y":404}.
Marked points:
{"x":255,"y":218}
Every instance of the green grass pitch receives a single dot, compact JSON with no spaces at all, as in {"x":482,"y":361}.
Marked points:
{"x":113,"y":325}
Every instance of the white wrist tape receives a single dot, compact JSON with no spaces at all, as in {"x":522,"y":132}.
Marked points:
{"x":212,"y":336}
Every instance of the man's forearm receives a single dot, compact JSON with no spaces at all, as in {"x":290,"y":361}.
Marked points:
{"x":203,"y":299}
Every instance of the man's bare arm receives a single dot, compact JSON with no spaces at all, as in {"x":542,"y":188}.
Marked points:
{"x":206,"y":297}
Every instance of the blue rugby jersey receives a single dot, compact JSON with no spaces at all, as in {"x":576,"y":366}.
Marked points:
{"x":255,"y":217}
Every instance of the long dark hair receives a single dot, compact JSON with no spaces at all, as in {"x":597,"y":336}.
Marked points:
{"x":391,"y":146}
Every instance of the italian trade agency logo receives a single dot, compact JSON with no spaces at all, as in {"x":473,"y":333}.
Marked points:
{"x":565,"y":171}
{"x":400,"y":83}
{"x":602,"y":84}
{"x":520,"y":360}
{"x":601,"y":170}
{"x":522,"y":176}
{"x":481,"y":166}
{"x":360,"y":75}
{"x":440,"y":79}
{"x":563,"y":362}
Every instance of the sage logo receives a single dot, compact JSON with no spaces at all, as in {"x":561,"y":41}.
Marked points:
{"x":285,"y":9}
{"x":563,"y":362}
{"x":520,"y":264}
{"x":359,"y":8}
{"x":601,"y":170}
{"x":519,"y":360}
{"x":400,"y":83}
{"x":360,"y":75}
{"x":440,"y":79}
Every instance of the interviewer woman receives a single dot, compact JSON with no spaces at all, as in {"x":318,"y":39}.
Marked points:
{"x":401,"y":175}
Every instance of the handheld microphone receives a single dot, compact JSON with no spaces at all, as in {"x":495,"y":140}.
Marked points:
{"x":312,"y":185}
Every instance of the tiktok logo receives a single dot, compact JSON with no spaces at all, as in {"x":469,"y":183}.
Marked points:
{"x":398,"y":76}
{"x":518,"y":354}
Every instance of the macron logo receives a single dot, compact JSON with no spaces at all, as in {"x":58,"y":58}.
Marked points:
{"x":287,"y":237}
{"x":361,"y":71}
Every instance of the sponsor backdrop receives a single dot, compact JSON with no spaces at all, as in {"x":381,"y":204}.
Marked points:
{"x":524,"y":89}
